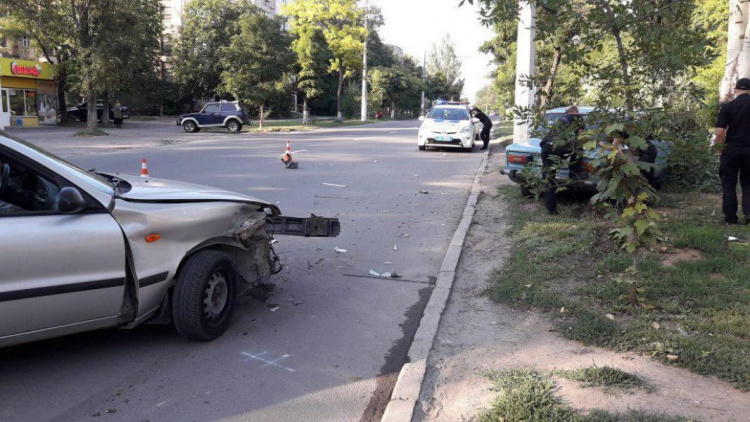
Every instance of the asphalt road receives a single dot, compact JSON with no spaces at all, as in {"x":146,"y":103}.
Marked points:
{"x":333,"y":347}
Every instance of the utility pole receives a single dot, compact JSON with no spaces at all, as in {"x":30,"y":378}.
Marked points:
{"x":364,"y":63}
{"x":424,"y":66}
{"x":525,"y":64}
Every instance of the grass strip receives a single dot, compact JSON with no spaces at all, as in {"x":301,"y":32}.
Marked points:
{"x":694,"y":312}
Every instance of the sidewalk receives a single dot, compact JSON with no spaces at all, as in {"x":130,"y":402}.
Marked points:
{"x":477,"y":335}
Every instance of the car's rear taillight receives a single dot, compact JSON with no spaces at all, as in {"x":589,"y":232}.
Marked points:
{"x":518,"y":159}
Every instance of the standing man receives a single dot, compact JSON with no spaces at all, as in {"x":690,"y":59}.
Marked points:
{"x":486,"y":122}
{"x":560,"y":145}
{"x":733,"y":143}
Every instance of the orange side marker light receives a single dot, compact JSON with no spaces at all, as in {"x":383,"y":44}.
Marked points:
{"x":153,"y":237}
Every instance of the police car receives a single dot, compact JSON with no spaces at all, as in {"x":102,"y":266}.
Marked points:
{"x":449,"y":125}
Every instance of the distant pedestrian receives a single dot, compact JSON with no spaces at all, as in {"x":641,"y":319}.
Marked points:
{"x":117,"y":115}
{"x":733,"y":143}
{"x":559,"y":144}
{"x":486,"y":122}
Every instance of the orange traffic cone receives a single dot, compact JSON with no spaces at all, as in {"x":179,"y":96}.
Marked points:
{"x":287,"y":158}
{"x":144,"y":168}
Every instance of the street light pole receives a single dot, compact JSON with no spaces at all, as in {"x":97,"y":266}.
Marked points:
{"x":525,"y":62}
{"x":364,"y":66}
{"x":424,"y":64}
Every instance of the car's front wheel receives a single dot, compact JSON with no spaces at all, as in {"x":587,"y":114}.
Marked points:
{"x":190,"y":127}
{"x":234,"y":126}
{"x":422,"y":147}
{"x":204,"y":296}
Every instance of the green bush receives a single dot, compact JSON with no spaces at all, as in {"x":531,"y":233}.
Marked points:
{"x":692,"y":164}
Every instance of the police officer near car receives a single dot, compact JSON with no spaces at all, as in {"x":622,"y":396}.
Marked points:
{"x":733,"y":143}
{"x":486,"y":122}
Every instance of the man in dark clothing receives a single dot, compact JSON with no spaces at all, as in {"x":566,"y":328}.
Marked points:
{"x":733,"y":142}
{"x":486,"y":122}
{"x":559,"y":144}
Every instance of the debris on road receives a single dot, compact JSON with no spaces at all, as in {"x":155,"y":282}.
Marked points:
{"x":395,"y":248}
{"x":334,"y":185}
{"x":374,"y":273}
{"x":332,"y":197}
{"x":424,"y":192}
{"x":272,"y":307}
{"x":339,"y":250}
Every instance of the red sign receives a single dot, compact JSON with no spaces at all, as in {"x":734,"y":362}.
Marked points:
{"x":17,"y":69}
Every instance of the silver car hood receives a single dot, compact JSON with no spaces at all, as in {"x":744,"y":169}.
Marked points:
{"x":171,"y":191}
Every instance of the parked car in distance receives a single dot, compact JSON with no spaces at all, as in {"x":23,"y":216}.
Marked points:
{"x":520,"y":156}
{"x":81,"y":111}
{"x":226,"y":114}
{"x":449,"y":125}
{"x":81,"y":250}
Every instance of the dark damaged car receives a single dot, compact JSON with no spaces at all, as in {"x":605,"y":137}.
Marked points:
{"x":82,"y":251}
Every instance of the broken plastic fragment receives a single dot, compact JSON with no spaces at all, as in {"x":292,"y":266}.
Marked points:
{"x":395,"y":248}
{"x":732,"y":238}
{"x":273,"y":308}
{"x":424,"y":192}
{"x":374,"y":273}
{"x":339,"y":250}
{"x":386,"y":275}
{"x":395,"y":275}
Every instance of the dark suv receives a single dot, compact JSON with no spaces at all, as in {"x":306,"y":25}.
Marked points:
{"x":222,"y":114}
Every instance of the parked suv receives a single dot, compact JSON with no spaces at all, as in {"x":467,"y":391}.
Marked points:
{"x":222,"y":114}
{"x":81,"y":111}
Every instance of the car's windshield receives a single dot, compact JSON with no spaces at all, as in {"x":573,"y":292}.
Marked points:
{"x":448,"y":114}
{"x":94,"y":179}
{"x":550,"y":119}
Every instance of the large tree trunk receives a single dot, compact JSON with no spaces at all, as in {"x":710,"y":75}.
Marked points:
{"x":738,"y":49}
{"x":91,"y":107}
{"x":339,"y":115}
{"x":105,"y":109}
{"x":305,"y":113}
{"x":62,"y":82}
{"x":549,"y":88}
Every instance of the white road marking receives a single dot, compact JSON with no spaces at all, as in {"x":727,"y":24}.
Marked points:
{"x":334,"y":185}
{"x":269,"y":362}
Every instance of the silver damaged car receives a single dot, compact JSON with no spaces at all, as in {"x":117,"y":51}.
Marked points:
{"x":82,"y":251}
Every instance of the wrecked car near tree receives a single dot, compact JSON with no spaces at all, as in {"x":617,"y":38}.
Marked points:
{"x":81,"y":250}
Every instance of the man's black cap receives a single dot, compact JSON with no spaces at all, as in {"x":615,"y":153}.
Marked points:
{"x":743,"y":84}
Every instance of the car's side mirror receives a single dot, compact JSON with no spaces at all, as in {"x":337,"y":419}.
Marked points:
{"x":474,"y":120}
{"x":421,"y":118}
{"x":70,"y":201}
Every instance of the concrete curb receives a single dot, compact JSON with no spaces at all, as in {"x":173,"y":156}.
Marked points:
{"x":409,"y":383}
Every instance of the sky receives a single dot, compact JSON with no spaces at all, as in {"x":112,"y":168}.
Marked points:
{"x":414,"y":25}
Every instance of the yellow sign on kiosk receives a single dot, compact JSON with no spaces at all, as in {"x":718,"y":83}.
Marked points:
{"x":17,"y":68}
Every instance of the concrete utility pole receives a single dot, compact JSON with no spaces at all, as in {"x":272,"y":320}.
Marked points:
{"x":364,"y":67}
{"x":526,"y":59}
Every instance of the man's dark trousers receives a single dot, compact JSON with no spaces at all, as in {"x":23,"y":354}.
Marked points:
{"x":735,"y":163}
{"x":485,"y":135}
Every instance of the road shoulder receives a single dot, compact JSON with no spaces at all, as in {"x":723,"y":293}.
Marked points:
{"x":478,"y":336}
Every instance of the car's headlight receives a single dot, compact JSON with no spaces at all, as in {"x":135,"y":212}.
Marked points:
{"x":466,"y":129}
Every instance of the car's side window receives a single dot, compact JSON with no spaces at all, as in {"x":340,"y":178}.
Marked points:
{"x":211,"y":108}
{"x":228,"y":107}
{"x":24,"y":190}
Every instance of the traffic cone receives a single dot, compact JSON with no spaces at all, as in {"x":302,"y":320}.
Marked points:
{"x":287,"y":158}
{"x":144,"y":168}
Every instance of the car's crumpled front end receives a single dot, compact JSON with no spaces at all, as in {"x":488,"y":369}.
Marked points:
{"x":184,"y":218}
